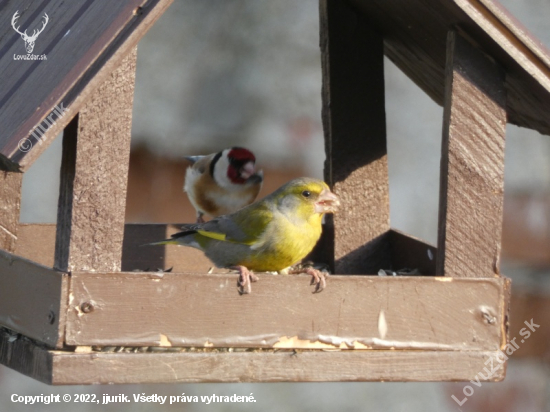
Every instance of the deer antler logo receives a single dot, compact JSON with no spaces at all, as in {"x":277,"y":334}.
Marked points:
{"x":29,"y":40}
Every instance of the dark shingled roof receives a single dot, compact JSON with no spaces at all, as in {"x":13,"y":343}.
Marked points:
{"x":83,"y":42}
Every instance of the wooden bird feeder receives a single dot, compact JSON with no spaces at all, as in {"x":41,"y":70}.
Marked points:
{"x":72,"y":309}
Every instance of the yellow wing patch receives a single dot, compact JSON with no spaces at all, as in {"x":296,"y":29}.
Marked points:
{"x":222,"y":237}
{"x":213,"y":235}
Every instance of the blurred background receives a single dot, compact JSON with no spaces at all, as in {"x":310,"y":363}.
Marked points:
{"x":217,"y":73}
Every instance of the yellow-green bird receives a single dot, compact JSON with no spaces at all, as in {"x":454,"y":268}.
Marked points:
{"x":269,"y":235}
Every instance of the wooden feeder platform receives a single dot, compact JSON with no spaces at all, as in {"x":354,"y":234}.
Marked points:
{"x":85,"y":328}
{"x":81,"y":302}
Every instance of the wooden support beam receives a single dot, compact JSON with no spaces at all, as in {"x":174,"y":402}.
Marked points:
{"x":472,"y":163}
{"x":10,"y":204}
{"x":354,"y":122}
{"x":94,"y":175}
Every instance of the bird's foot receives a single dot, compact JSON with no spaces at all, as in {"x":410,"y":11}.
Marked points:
{"x":318,"y":277}
{"x":200,"y":218}
{"x":246,"y":277}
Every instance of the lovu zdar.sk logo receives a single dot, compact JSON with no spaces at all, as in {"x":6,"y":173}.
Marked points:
{"x":29,"y":39}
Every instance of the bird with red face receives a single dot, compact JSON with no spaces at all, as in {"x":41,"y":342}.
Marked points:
{"x":222,"y":183}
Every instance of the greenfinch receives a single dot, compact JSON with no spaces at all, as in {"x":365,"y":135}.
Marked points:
{"x":269,"y":235}
{"x":222,"y":183}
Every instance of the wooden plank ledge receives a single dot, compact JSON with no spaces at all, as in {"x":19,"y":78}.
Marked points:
{"x":313,"y":366}
{"x":168,"y":309}
{"x":70,"y":368}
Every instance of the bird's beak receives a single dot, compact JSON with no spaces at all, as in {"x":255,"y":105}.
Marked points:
{"x":327,"y":202}
{"x":247,"y":170}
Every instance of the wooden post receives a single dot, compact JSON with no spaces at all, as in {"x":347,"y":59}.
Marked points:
{"x":354,"y":122}
{"x":10,"y":204}
{"x":94,"y":176}
{"x":472,"y":163}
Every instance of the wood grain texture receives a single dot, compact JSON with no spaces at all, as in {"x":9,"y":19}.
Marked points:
{"x":10,"y":204}
{"x":69,"y":368}
{"x":354,"y":123}
{"x":94,"y":177}
{"x":527,"y":53}
{"x":314,"y":366}
{"x":36,"y":242}
{"x":511,"y":23}
{"x":33,"y":299}
{"x":472,"y":164}
{"x":412,"y":38}
{"x":170,"y":309}
{"x":415,"y":35}
{"x":84,"y":42}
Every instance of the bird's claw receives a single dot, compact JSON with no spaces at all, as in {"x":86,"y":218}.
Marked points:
{"x":318,"y":278}
{"x":246,"y":277}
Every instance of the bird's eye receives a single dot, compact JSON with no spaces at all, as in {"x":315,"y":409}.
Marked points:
{"x":306,"y":193}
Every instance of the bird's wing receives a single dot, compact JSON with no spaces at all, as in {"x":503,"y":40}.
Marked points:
{"x":200,"y":163}
{"x":193,"y":159}
{"x":245,"y":226}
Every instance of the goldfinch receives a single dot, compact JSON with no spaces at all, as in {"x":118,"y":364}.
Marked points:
{"x":222,"y":183}
{"x":269,"y":235}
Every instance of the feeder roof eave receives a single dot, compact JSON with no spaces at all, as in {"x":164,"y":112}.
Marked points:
{"x":415,"y":35}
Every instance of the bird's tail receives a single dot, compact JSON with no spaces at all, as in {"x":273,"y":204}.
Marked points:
{"x":176,"y":239}
{"x":162,"y":242}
